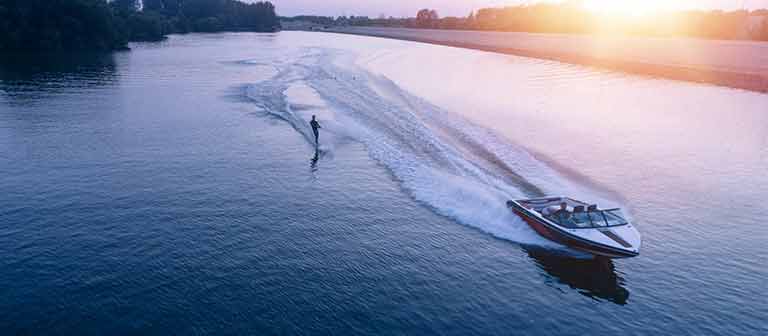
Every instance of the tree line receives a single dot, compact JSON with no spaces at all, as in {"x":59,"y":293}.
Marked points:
{"x":570,"y":17}
{"x":110,"y":25}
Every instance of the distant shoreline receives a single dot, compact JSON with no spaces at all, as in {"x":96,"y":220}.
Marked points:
{"x":728,"y":73}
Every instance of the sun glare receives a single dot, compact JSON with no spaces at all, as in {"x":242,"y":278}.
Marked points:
{"x":624,"y":7}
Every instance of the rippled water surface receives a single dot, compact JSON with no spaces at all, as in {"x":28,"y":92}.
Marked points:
{"x":175,"y":189}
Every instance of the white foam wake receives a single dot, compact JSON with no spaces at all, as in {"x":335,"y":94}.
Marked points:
{"x":458,"y":169}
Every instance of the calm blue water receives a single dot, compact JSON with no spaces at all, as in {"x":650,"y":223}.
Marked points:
{"x":172,"y":189}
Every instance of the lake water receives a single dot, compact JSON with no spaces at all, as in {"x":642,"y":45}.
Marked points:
{"x":175,"y":189}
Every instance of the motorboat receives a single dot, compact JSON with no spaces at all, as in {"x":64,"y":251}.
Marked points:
{"x":580,"y":225}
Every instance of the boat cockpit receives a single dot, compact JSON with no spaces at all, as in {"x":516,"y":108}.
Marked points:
{"x":577,"y":214}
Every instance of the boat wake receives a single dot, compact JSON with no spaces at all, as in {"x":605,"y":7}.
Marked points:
{"x":456,"y":168}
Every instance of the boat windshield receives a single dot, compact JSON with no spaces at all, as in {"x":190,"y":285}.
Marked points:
{"x":614,"y":217}
{"x":591,"y":219}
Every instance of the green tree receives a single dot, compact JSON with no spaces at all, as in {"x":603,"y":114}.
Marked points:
{"x":107,"y":25}
{"x":127,"y":5}
{"x":153,"y":5}
{"x":59,"y":25}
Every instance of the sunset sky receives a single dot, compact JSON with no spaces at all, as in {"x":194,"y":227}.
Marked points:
{"x":375,"y":8}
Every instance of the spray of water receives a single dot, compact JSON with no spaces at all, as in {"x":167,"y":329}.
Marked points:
{"x":454,"y":167}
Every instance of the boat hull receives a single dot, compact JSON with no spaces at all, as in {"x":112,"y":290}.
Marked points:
{"x":559,"y":236}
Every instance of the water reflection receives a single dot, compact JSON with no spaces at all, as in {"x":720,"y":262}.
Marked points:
{"x":313,"y":164}
{"x":26,"y":77}
{"x":593,"y":278}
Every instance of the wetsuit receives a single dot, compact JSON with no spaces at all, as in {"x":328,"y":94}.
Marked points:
{"x":315,"y":126}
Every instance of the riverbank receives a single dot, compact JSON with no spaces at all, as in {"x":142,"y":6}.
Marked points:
{"x":735,"y":64}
